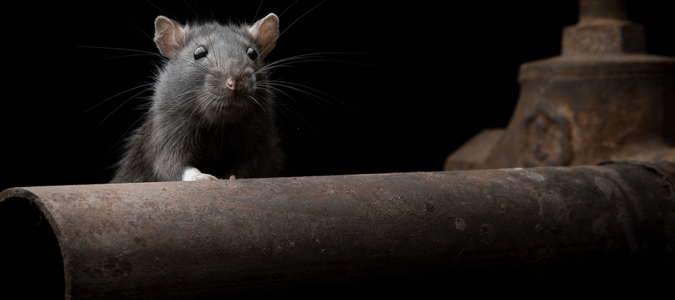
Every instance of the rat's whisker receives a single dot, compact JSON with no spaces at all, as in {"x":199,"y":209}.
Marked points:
{"x":131,"y":89}
{"x":118,"y":107}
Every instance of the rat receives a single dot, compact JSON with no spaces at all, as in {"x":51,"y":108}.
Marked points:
{"x":212,"y":113}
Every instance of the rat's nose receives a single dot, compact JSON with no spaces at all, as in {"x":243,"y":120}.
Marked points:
{"x":234,"y":84}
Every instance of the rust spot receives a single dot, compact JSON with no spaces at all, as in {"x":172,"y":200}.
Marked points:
{"x":546,"y":139}
{"x":429,"y":207}
{"x":600,"y":229}
{"x":505,"y":208}
{"x":483,"y":178}
{"x":554,"y":211}
{"x":460,"y":224}
{"x":487,"y":234}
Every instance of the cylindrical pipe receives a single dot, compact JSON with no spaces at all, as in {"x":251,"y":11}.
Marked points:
{"x":208,"y":239}
{"x":594,"y":10}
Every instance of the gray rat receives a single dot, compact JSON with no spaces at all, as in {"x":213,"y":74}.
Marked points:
{"x":212,"y":113}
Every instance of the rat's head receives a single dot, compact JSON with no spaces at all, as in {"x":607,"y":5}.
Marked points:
{"x":213,"y":70}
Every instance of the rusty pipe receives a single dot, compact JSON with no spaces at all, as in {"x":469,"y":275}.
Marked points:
{"x":236,"y":237}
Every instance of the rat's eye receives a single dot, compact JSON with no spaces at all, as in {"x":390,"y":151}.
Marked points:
{"x":252,"y":54}
{"x":200,"y":52}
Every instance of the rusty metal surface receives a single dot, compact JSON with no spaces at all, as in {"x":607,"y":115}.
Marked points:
{"x":200,"y":240}
{"x":475,"y":151}
{"x":604,"y":98}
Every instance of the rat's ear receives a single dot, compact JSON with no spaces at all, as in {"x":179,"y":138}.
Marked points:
{"x":265,"y":33}
{"x":169,"y":35}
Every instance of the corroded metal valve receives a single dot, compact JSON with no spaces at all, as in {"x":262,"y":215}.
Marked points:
{"x":602,"y":98}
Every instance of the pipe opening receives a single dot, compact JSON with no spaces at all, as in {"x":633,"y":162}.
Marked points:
{"x":31,"y":257}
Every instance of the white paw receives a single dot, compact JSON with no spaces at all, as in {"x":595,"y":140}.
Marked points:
{"x":192,"y":174}
{"x":203,"y":177}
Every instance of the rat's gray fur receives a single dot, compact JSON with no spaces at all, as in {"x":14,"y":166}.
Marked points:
{"x":195,"y":121}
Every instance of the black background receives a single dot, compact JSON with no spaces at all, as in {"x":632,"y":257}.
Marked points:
{"x":406,"y":83}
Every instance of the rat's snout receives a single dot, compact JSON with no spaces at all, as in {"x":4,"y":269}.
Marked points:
{"x":234,"y":84}
{"x":232,"y":77}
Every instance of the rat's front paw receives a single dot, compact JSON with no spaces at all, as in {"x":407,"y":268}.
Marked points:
{"x":204,"y":177}
{"x":192,"y":174}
